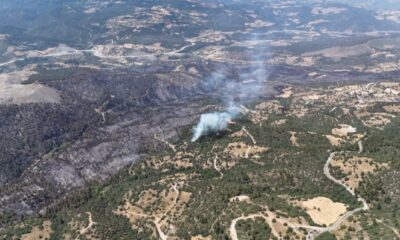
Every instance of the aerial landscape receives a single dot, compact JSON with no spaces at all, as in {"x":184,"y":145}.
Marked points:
{"x":200,"y":119}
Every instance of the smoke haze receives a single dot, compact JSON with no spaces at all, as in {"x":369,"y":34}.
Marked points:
{"x":233,"y":93}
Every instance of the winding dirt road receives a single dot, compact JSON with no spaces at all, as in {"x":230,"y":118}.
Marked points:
{"x":314,"y":233}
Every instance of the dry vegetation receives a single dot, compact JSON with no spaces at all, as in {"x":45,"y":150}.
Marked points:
{"x":322,"y":210}
{"x":42,"y":232}
{"x":193,"y":178}
{"x":355,"y":168}
{"x":159,"y":209}
{"x":340,"y":102}
{"x":238,"y":150}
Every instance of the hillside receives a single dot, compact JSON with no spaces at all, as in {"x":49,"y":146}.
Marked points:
{"x":199,"y":119}
{"x":325,"y":168}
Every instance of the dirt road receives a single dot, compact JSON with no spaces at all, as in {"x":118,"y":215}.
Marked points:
{"x":216,"y":167}
{"x":314,"y":233}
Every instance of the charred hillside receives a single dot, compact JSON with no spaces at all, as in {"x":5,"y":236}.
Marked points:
{"x":105,"y":121}
{"x":108,"y":119}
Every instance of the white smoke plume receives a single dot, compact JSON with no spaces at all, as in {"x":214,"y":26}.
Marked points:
{"x":214,"y":122}
{"x":249,"y":86}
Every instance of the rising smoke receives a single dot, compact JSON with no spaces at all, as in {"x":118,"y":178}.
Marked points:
{"x":214,"y":122}
{"x":249,"y":87}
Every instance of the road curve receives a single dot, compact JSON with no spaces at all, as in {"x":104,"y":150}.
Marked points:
{"x":232,"y":228}
{"x":315,"y":232}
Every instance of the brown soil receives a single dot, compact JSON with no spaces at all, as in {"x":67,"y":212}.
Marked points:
{"x":293,"y":139}
{"x":323,"y":210}
{"x":279,"y":122}
{"x":355,"y":167}
{"x":343,"y":130}
{"x":201,"y":238}
{"x":334,"y":141}
{"x":392,"y":108}
{"x":37,"y":233}
{"x":242,"y":150}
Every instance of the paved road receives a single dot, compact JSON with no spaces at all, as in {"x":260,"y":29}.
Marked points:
{"x":328,"y":174}
{"x":316,"y":232}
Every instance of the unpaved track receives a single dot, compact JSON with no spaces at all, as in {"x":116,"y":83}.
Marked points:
{"x":216,"y":167}
{"x":158,"y":219}
{"x":360,"y":147}
{"x":246,"y":155}
{"x":85,"y":230}
{"x":314,"y":230}
{"x":251,"y":136}
{"x":233,"y":232}
{"x":314,"y":233}
{"x":10,"y":62}
{"x":395,"y":231}
{"x":161,"y":234}
{"x":252,"y":139}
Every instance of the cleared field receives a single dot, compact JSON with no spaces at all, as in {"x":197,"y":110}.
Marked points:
{"x":323,"y":210}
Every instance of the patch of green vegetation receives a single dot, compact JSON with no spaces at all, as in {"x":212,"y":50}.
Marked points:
{"x":253,"y":229}
{"x":18,"y":229}
{"x":326,"y":236}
